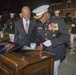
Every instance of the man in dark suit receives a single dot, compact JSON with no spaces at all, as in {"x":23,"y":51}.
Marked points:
{"x":25,"y":28}
{"x":53,"y":33}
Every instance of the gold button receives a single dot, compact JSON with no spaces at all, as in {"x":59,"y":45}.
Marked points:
{"x":45,"y":33}
{"x":45,"y":28}
{"x":53,"y":35}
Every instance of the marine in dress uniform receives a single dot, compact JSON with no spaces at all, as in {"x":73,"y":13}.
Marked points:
{"x":11,"y":26}
{"x":53,"y":33}
{"x":73,"y":35}
{"x":1,"y":27}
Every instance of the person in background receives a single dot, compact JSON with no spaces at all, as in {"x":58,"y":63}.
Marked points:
{"x":25,"y":28}
{"x":57,"y":13}
{"x":11,"y":26}
{"x":73,"y":35}
{"x":1,"y":27}
{"x":20,"y":15}
{"x":52,"y":33}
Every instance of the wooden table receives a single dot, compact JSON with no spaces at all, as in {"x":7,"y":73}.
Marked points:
{"x":27,"y":63}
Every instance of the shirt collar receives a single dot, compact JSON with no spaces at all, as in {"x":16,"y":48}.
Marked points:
{"x":24,"y":21}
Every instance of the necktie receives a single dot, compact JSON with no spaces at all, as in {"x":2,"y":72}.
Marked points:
{"x":26,"y":26}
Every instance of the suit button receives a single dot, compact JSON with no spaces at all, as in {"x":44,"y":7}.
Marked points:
{"x":58,"y":46}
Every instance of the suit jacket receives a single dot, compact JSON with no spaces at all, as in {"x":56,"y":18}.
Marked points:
{"x":54,"y":30}
{"x":20,"y":34}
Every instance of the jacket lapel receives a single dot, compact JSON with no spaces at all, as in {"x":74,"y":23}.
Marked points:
{"x":22,"y":26}
{"x":30,"y":26}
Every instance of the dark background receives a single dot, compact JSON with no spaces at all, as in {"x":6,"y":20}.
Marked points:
{"x":16,"y":5}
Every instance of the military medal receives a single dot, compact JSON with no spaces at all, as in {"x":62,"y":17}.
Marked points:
{"x":56,"y":26}
{"x":53,"y":26}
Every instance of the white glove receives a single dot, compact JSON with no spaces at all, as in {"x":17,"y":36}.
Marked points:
{"x":33,"y":45}
{"x":47,"y":43}
{"x":73,"y":25}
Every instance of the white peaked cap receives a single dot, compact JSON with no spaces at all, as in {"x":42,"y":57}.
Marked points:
{"x":57,"y":11}
{"x":20,"y":14}
{"x":40,"y":10}
{"x":12,"y":14}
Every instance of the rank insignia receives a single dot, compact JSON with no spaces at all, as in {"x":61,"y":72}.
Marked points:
{"x":53,"y":26}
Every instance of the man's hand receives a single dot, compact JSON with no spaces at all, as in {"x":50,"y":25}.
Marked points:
{"x":40,"y":47}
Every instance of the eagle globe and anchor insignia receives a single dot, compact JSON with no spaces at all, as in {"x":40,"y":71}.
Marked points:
{"x":53,"y":27}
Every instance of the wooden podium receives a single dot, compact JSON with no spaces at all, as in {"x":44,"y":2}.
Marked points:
{"x":27,"y":63}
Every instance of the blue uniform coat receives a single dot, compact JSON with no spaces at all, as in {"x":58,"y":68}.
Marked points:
{"x":56,"y":31}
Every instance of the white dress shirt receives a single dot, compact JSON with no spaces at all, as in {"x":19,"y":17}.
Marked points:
{"x":24,"y":23}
